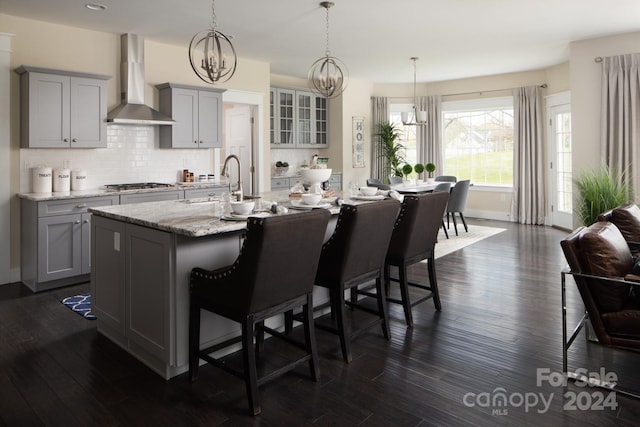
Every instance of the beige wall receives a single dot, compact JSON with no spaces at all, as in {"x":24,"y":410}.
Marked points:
{"x":47,"y":45}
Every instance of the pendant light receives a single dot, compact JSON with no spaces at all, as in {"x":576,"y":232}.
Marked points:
{"x":328,"y":76}
{"x":418,"y":117}
{"x":211,"y":54}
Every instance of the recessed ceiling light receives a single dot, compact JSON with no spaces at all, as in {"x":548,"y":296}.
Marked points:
{"x":95,"y":6}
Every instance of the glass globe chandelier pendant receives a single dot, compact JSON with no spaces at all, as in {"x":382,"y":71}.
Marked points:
{"x":212,"y":55}
{"x":328,"y":76}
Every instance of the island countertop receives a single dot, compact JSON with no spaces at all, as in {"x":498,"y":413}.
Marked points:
{"x":195,"y":217}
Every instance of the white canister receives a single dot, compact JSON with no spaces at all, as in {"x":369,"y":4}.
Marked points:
{"x":78,"y":179}
{"x":61,"y":179}
{"x":41,"y":179}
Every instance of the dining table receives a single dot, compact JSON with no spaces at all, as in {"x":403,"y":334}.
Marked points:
{"x":415,"y":188}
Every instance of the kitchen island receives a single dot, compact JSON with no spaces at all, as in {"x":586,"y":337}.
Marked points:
{"x":141,"y":257}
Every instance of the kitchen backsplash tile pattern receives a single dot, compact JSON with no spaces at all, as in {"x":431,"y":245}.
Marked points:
{"x":132,"y":155}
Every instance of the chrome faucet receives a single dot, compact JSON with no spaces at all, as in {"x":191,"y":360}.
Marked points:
{"x":238,"y":191}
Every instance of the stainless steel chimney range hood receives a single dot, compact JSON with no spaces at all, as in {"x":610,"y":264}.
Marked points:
{"x":132,"y":110}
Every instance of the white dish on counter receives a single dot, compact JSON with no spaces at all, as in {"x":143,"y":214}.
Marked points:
{"x":239,"y":217}
{"x":362,"y":197}
{"x":297,"y":204}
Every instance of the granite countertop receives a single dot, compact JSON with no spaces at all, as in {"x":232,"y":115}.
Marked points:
{"x":98,"y":192}
{"x":194,"y":218}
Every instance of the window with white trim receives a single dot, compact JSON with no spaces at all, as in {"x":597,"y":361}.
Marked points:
{"x":477,"y":138}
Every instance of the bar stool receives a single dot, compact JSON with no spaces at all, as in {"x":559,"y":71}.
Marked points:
{"x":354,"y":255}
{"x":413,"y":240}
{"x":274,"y":273}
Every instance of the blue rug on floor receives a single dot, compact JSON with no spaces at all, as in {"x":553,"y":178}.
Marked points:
{"x":80,"y":304}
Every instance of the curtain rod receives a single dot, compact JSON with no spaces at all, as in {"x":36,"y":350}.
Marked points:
{"x":480,"y":92}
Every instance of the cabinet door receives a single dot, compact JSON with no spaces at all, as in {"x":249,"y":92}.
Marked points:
{"x":108,"y":274}
{"x":59,"y":247}
{"x":48,"y":111}
{"x":286,"y":117}
{"x":320,"y":122}
{"x":184,"y":132}
{"x":88,"y":113}
{"x":305,"y":119}
{"x":273,"y":121}
{"x":209,"y":127}
{"x":149,"y":269}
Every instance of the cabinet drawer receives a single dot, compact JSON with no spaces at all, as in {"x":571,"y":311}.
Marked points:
{"x":66,"y":206}
{"x":156,"y":196}
{"x":279,"y":183}
{"x":205,"y":192}
{"x":335,"y":178}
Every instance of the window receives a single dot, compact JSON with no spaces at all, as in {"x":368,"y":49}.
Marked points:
{"x":478,"y":140}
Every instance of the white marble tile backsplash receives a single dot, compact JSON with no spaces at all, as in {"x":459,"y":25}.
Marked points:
{"x":132,"y":155}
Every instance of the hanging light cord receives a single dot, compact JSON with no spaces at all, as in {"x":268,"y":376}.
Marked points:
{"x":327,"y":51}
{"x":213,"y":14}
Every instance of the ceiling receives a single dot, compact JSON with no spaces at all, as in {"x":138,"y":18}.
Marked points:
{"x":374,"y":38}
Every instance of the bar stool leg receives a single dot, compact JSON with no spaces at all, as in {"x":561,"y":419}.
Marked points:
{"x":404,"y":292}
{"x":249,"y":361}
{"x":310,"y":338}
{"x":338,"y":297}
{"x":382,"y":307}
{"x":431,"y":268}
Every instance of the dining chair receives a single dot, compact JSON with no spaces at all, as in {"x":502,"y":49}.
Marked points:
{"x":355,"y":255}
{"x":446,"y":178}
{"x":444,"y":187}
{"x":413,"y":240}
{"x":273,"y":274}
{"x":458,"y":202}
{"x":374,"y":182}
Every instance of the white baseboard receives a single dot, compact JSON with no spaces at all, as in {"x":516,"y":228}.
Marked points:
{"x":481,"y":214}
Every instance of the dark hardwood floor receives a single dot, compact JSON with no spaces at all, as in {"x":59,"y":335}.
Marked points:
{"x":500,"y":322}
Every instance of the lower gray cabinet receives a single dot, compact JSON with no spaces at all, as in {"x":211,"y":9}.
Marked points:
{"x":55,"y":238}
{"x":156,"y":196}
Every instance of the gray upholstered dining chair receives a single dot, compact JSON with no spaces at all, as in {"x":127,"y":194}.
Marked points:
{"x":393,"y":180}
{"x":374,"y":182}
{"x":443,"y":187}
{"x":458,"y":202}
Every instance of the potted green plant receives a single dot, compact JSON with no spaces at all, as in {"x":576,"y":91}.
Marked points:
{"x":406,"y":171}
{"x":391,"y":150}
{"x":419,"y":168}
{"x":600,"y":190}
{"x":430,"y":168}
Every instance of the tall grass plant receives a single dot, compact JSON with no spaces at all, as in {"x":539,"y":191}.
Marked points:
{"x":600,"y":190}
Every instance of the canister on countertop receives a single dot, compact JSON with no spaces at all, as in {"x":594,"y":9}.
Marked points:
{"x":78,"y":179}
{"x":61,"y":180}
{"x":41,"y":179}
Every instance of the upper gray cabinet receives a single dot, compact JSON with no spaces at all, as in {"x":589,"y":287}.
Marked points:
{"x":62,"y":109}
{"x":298,"y":119}
{"x":197,"y":112}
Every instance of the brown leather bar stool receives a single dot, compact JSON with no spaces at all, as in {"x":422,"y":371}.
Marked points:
{"x":274,"y":273}
{"x":413,"y":240}
{"x":354,"y":255}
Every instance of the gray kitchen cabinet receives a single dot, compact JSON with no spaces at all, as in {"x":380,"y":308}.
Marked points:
{"x":197,"y":113}
{"x":286,"y":182}
{"x":335,"y":181}
{"x":153,"y":196}
{"x":297,"y":119}
{"x":55,"y":238}
{"x":279,"y":183}
{"x":61,"y":109}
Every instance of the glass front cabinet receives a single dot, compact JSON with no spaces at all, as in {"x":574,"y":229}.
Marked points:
{"x":298,"y":119}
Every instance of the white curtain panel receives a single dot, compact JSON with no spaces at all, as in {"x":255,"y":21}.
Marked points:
{"x":430,"y":135}
{"x":380,"y":105}
{"x":620,"y":124}
{"x":528,"y":204}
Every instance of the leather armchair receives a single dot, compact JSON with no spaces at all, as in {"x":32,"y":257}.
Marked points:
{"x":627,"y":219}
{"x":600,"y":262}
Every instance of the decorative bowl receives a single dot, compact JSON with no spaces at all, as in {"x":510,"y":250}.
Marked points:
{"x":242,"y":208}
{"x":311,"y":199}
{"x":369,"y":191}
{"x":315,"y":176}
